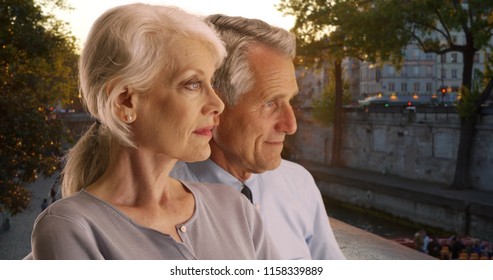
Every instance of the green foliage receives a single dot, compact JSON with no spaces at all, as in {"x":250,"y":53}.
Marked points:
{"x":467,"y":106}
{"x":488,"y":69}
{"x":378,"y":30}
{"x":471,"y":100}
{"x":324,"y":107}
{"x":38,"y":65}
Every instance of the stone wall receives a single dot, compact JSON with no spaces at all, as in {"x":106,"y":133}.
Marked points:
{"x":405,"y":143}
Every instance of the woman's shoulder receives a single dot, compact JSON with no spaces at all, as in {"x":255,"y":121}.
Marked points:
{"x":65,"y":205}
{"x":79,"y":206}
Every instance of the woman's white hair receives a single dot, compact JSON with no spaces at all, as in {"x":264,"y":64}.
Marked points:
{"x":127,"y":47}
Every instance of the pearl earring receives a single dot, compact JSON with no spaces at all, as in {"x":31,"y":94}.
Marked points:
{"x":129,"y":118}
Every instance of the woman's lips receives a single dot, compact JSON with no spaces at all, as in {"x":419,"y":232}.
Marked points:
{"x":205,"y":131}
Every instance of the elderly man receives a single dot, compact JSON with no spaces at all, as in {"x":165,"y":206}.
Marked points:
{"x":257,"y":82}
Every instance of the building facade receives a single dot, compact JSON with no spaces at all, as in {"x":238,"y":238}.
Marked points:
{"x":422,"y":75}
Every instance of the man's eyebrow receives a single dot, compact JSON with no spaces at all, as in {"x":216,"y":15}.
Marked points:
{"x":279,"y":95}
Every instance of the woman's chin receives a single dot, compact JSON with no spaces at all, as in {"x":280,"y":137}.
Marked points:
{"x":199,"y":156}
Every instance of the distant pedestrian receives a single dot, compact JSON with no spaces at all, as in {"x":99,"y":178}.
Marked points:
{"x":426,"y":241}
{"x":44,"y":204}
{"x":418,"y":240}
{"x":6,"y":223}
{"x":434,"y":247}
{"x":456,"y":247}
{"x":54,"y":190}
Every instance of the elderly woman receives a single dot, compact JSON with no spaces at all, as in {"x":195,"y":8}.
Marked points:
{"x":145,"y":76}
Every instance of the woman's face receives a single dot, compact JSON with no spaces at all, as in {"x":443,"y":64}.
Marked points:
{"x":176,"y":118}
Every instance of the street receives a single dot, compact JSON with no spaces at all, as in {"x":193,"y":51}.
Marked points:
{"x":15,"y":243}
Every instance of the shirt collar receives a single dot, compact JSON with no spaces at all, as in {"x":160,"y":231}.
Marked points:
{"x":209,"y":171}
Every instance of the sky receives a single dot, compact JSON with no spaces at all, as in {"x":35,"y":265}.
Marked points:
{"x":85,"y":12}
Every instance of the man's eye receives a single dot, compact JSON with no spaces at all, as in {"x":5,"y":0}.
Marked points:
{"x":193,"y":85}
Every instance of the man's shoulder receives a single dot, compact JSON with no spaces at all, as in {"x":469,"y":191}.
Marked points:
{"x":292,"y":169}
{"x":292,"y":177}
{"x":291,"y":164}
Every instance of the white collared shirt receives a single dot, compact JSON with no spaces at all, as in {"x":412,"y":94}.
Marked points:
{"x":289,"y":202}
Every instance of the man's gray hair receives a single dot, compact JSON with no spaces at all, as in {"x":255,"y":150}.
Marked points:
{"x":235,"y":76}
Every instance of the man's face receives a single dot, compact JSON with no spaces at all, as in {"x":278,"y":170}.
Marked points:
{"x":250,"y":135}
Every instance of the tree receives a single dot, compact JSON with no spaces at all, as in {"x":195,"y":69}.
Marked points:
{"x":380,"y":29}
{"x":318,"y":43}
{"x":38,"y":65}
{"x":324,"y":107}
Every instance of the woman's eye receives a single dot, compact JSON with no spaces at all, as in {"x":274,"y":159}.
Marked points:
{"x":193,"y":85}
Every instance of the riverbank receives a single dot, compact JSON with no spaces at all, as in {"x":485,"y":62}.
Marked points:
{"x":441,"y":244}
{"x":464,"y":212}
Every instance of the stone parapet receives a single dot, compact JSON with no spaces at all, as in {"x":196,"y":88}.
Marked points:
{"x":357,"y":244}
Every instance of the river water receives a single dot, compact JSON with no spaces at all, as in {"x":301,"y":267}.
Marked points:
{"x":375,"y":222}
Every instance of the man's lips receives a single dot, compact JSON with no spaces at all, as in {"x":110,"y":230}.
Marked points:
{"x":204,"y":131}
{"x":280,"y":142}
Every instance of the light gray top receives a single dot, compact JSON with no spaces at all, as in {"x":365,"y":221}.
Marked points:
{"x":224,"y":226}
{"x":288,"y":200}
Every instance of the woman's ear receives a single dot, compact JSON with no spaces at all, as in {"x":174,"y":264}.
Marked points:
{"x":125,"y":104}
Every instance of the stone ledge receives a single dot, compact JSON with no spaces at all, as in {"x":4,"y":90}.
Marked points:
{"x":357,"y":244}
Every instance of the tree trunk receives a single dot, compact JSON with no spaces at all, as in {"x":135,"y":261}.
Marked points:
{"x":468,"y":127}
{"x":467,"y":130}
{"x":466,"y":140}
{"x":337,"y":129}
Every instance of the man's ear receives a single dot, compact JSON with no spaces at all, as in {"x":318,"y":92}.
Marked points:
{"x":125,"y":104}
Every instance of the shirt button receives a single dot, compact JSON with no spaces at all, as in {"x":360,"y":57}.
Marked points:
{"x":183,"y":229}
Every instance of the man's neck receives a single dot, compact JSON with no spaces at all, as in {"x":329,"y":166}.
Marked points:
{"x":230,"y":165}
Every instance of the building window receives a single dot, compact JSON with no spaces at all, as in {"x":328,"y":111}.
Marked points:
{"x":429,"y":87}
{"x":416,"y":87}
{"x":453,"y":58}
{"x":454,"y":73}
{"x":416,"y":71}
{"x":404,"y":87}
{"x":391,"y":87}
{"x":444,"y":74}
{"x":443,"y":58}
